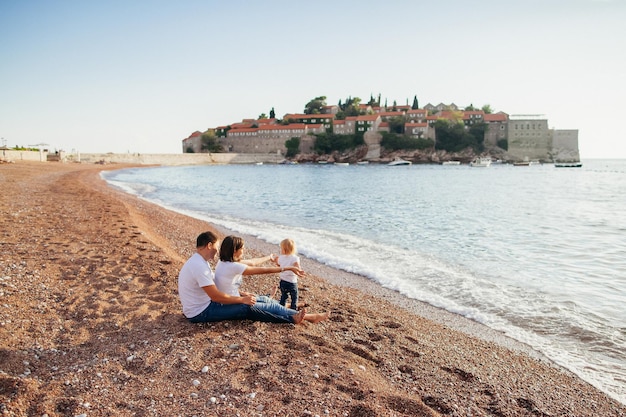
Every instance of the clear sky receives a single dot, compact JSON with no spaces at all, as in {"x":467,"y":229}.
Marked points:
{"x":140,"y":76}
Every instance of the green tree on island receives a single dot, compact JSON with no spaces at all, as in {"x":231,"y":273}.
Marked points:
{"x":415,"y":105}
{"x":209,"y":143}
{"x":373,"y":102}
{"x":292,"y":145}
{"x":453,"y":137}
{"x":326,"y":143}
{"x":396,"y":124}
{"x":349,"y":109}
{"x":315,"y":106}
{"x":395,"y":142}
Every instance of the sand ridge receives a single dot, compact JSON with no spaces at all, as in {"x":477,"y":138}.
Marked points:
{"x":91,"y":324}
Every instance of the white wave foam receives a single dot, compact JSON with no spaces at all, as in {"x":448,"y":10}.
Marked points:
{"x":137,"y":189}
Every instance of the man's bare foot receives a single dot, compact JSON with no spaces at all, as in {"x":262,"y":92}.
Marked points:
{"x":299,"y":316}
{"x":316,"y":318}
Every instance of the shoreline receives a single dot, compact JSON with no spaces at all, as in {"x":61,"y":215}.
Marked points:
{"x":98,"y":267}
{"x":442,"y":316}
{"x":344,"y":278}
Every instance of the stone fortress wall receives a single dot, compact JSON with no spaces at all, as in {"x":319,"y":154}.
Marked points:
{"x":143,"y":159}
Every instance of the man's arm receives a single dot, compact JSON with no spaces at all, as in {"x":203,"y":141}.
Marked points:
{"x":223,"y":298}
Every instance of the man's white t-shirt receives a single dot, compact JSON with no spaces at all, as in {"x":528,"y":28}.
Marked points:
{"x":195,"y":274}
{"x":229,"y":276}
{"x":288,"y":260}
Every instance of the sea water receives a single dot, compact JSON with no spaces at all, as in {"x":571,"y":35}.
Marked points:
{"x":536,"y":252}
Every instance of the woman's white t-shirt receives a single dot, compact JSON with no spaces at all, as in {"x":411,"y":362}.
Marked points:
{"x":229,"y":276}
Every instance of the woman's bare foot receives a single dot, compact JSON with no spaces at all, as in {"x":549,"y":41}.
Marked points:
{"x":299,"y":316}
{"x":316,"y":318}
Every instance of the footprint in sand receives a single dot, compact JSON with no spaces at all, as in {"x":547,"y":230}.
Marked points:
{"x":461,"y":374}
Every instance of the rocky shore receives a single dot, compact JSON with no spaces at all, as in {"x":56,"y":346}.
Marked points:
{"x":428,"y":156}
{"x":91,"y":325}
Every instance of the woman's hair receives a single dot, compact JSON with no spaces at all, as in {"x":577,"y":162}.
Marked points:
{"x":205,"y":238}
{"x":230,"y":245}
{"x":288,"y":247}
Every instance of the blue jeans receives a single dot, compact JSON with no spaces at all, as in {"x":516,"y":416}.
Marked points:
{"x":272,"y":306}
{"x":219,"y":312}
{"x":289,"y":289}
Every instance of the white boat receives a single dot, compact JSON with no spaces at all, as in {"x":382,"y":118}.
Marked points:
{"x":481,"y":162}
{"x":343,"y":164}
{"x":451,"y":163}
{"x":362,"y":162}
{"x":568,"y":164}
{"x":526,"y":163}
{"x":399,"y":161}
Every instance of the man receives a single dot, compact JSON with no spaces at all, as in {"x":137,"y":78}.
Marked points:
{"x":202,"y":301}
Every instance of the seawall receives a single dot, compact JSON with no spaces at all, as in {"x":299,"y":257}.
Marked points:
{"x":144,"y":159}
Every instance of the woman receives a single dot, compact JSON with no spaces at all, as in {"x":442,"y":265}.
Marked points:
{"x":230,"y":270}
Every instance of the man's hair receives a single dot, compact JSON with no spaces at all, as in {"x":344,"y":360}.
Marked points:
{"x":229,"y":246}
{"x":205,"y":238}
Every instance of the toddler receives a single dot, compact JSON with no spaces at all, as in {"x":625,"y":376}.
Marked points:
{"x":288,"y":280}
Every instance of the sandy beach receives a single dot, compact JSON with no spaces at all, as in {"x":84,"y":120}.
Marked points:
{"x":91,"y":325}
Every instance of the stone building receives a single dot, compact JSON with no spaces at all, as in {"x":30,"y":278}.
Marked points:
{"x":565,"y":145}
{"x":345,"y":127}
{"x":367,"y":123}
{"x":441,"y":107}
{"x":419,"y":130}
{"x":416,"y":115}
{"x":311,"y":119}
{"x":497,"y":128}
{"x":269,"y":138}
{"x":529,"y":138}
{"x":193,"y":144}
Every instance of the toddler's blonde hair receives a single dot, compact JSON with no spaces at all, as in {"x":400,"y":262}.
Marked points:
{"x":288,"y":247}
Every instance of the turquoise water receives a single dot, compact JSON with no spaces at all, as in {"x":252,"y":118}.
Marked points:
{"x":536,"y":252}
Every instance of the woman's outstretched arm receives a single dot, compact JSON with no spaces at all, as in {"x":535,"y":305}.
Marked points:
{"x":259,"y":270}
{"x":258,"y":261}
